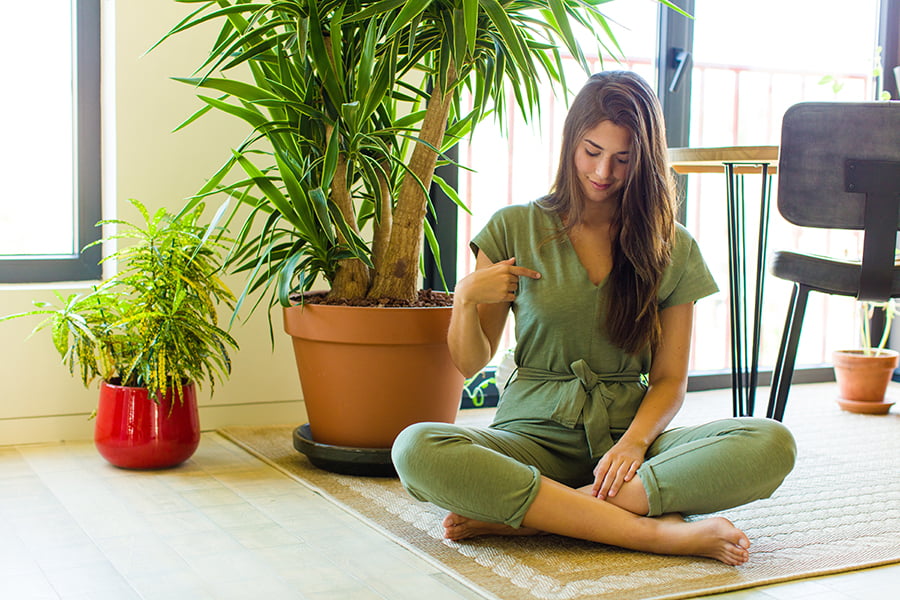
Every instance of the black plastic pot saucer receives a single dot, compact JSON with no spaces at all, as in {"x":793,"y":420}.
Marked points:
{"x":346,"y":460}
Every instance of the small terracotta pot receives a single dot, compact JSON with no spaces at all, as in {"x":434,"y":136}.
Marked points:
{"x":134,"y":432}
{"x":367,"y":373}
{"x":862,"y":378}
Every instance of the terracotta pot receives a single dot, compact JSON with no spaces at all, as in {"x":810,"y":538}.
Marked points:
{"x":367,"y":373}
{"x":863,"y":378}
{"x":134,"y":432}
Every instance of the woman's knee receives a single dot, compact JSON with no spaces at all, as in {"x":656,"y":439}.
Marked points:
{"x":415,"y":453}
{"x":776,"y":448}
{"x":779,"y":440}
{"x":410,"y":442}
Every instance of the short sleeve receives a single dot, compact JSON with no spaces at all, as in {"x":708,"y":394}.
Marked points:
{"x":495,"y":239}
{"x":688,"y":277}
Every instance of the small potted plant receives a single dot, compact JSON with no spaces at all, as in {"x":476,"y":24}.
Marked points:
{"x":863,"y":374}
{"x":149,"y":334}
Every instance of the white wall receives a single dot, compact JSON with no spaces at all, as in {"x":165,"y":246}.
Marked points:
{"x":143,"y":159}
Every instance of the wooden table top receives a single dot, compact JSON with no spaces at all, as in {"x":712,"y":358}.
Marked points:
{"x":712,"y":160}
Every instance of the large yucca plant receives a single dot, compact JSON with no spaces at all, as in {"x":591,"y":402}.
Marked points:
{"x":154,"y":323}
{"x":349,"y":103}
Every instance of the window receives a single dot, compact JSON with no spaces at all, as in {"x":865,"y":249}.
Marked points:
{"x":50,"y":159}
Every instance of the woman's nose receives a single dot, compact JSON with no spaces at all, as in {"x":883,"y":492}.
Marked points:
{"x":604,"y":168}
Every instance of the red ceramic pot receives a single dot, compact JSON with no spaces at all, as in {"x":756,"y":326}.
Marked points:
{"x":134,"y":432}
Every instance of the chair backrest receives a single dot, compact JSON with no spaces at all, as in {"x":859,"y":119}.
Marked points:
{"x":817,"y":138}
{"x":839,"y":167}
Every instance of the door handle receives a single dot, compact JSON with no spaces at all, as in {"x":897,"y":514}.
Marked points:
{"x":680,"y":58}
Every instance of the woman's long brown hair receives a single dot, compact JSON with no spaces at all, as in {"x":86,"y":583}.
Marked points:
{"x":644,"y":224}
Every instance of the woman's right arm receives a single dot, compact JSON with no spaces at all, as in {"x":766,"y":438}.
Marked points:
{"x":481,"y":304}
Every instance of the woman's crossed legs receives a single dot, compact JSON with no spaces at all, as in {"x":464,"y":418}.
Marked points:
{"x":491,"y":482}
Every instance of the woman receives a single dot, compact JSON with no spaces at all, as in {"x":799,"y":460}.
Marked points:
{"x":602,"y":282}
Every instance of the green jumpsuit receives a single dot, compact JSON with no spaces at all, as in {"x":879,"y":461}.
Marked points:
{"x":574,"y":394}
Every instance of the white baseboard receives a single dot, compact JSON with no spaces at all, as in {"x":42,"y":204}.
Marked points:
{"x":71,"y":427}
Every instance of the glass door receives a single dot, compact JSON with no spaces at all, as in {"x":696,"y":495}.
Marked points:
{"x":750,"y":64}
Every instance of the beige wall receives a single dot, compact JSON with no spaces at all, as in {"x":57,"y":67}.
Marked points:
{"x":143,"y":159}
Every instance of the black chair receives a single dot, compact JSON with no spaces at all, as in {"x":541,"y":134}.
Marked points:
{"x":838,"y":168}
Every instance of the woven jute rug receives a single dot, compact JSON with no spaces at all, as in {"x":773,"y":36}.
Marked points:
{"x":839,"y":510}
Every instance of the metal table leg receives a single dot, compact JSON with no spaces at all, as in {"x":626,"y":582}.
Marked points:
{"x":734,"y":207}
{"x":744,"y":341}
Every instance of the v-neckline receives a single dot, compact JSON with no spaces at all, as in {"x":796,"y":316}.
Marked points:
{"x":584,"y":270}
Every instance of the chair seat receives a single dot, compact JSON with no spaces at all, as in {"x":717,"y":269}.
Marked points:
{"x":824,"y":274}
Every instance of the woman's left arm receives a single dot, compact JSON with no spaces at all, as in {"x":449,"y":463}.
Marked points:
{"x":665,"y":394}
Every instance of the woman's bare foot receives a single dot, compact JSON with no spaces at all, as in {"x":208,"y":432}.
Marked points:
{"x":715,"y":537}
{"x":457,"y":527}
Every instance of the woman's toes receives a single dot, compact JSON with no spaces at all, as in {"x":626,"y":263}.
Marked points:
{"x":737,"y":555}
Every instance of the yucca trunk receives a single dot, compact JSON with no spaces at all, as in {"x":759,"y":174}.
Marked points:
{"x":397,"y":277}
{"x":352,"y":278}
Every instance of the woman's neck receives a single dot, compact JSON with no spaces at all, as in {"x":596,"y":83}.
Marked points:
{"x":593,"y":217}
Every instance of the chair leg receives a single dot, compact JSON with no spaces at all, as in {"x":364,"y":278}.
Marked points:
{"x":787,"y":353}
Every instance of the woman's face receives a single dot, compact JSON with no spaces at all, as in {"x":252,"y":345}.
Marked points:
{"x":601,"y":161}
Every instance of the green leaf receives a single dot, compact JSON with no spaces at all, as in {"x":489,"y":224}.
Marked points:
{"x":234,"y":47}
{"x":375,"y":10}
{"x":377,"y":93}
{"x":286,"y":278}
{"x":320,"y":209}
{"x":411,"y":9}
{"x":332,"y":151}
{"x":460,"y":43}
{"x":297,"y":195}
{"x":322,"y":58}
{"x":509,"y":34}
{"x":666,"y":3}
{"x":265,"y":185}
{"x":435,"y":247}
{"x":350,"y":114}
{"x":561,"y":16}
{"x":451,"y":193}
{"x":213,"y":224}
{"x":194,"y":117}
{"x":239,"y":89}
{"x":470,"y":23}
{"x":365,"y":68}
{"x":251,"y":116}
{"x":254,"y":51}
{"x":189,"y":21}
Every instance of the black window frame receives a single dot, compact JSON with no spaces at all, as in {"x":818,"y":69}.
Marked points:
{"x":83,"y":264}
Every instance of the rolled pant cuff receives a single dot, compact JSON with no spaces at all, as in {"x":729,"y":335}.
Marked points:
{"x":515,"y":520}
{"x":651,"y":488}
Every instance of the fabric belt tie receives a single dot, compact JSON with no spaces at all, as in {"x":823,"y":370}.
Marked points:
{"x":586,"y":393}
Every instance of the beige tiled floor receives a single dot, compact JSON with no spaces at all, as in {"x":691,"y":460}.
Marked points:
{"x":226,"y":525}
